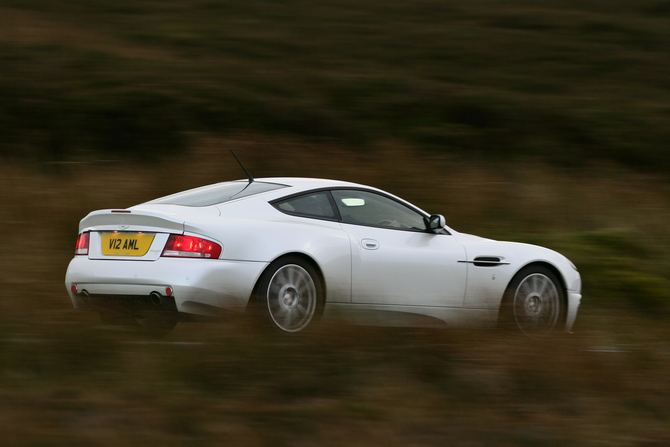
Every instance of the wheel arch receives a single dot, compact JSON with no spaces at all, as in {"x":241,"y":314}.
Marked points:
{"x":304,"y":257}
{"x":549,"y":266}
{"x":556,"y":272}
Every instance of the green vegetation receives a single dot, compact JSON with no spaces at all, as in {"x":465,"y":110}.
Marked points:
{"x":561,"y":80}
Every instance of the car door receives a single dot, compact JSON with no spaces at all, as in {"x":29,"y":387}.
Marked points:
{"x":394,"y":260}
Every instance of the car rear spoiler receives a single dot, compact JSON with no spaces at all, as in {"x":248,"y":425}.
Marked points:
{"x":132,"y":220}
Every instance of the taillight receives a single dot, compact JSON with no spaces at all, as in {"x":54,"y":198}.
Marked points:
{"x":191,"y":247}
{"x":82,"y":244}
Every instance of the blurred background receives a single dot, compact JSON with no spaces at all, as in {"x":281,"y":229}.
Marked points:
{"x":543,"y":122}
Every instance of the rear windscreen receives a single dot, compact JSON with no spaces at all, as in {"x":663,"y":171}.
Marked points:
{"x":215,"y":194}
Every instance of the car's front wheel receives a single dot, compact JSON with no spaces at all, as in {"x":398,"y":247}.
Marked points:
{"x":291,"y":294}
{"x":534,"y":301}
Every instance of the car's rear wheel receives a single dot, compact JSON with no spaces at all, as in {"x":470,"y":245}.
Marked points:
{"x":291,"y":294}
{"x":534,"y":301}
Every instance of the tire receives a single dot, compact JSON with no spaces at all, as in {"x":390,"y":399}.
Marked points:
{"x":534,"y":301}
{"x":291,"y":294}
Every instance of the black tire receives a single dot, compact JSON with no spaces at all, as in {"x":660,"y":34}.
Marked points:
{"x":534,"y":301}
{"x":291,"y":294}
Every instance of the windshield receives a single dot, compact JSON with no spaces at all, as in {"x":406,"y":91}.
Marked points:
{"x":215,"y":194}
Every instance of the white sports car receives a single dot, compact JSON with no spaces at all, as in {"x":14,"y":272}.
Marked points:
{"x":302,"y":249}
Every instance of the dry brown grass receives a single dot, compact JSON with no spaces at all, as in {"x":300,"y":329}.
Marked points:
{"x":29,"y":28}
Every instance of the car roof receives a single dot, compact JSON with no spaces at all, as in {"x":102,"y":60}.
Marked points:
{"x":285,"y":187}
{"x":219,"y":194}
{"x":297,"y":185}
{"x":304,"y":184}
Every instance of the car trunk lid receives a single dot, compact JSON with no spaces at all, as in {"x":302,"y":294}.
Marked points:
{"x":129,"y":234}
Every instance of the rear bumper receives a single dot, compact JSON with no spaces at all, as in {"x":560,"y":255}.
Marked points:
{"x":199,"y":286}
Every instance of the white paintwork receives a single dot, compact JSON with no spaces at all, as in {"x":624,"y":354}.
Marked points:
{"x":219,"y":284}
{"x":366,"y":270}
{"x":407,"y":268}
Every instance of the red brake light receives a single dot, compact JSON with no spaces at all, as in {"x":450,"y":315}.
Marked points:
{"x":191,"y":247}
{"x":82,"y":244}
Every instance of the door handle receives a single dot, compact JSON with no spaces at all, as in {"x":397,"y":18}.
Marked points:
{"x":369,"y":244}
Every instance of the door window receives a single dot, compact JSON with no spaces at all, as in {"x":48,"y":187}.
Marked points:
{"x":368,"y":208}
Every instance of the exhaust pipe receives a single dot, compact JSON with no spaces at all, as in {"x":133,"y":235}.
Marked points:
{"x":157,"y":299}
{"x":85,"y":297}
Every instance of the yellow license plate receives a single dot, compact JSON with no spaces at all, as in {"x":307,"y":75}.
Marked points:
{"x":126,"y":244}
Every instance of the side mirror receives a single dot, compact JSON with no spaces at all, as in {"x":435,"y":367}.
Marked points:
{"x":436,"y":222}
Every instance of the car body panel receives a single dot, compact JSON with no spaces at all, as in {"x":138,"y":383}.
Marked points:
{"x":406,"y":268}
{"x":260,"y":240}
{"x":219,"y":285}
{"x":488,"y":282}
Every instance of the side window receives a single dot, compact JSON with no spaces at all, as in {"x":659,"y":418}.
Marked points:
{"x":368,"y":208}
{"x":308,"y":205}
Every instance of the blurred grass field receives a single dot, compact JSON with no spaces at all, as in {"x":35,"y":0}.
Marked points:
{"x":561,"y":80}
{"x":541,"y":122}
{"x":67,"y":379}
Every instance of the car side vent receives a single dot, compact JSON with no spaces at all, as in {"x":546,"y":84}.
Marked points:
{"x":488,"y":261}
